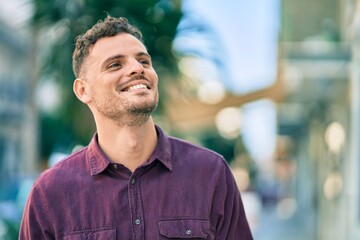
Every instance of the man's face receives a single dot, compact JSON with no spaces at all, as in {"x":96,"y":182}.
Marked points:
{"x":122,"y":83}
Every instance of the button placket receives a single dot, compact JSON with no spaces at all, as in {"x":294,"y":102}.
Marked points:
{"x":136,"y":207}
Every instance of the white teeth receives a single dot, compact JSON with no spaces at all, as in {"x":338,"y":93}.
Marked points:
{"x":137,"y":86}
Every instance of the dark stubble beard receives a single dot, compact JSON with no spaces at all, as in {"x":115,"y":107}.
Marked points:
{"x":131,"y":114}
{"x":138,"y":116}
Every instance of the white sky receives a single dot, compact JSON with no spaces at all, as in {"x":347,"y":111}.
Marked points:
{"x":15,"y":12}
{"x":248,"y":31}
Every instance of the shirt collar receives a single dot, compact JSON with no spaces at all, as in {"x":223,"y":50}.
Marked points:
{"x":98,"y":160}
{"x":162,"y":151}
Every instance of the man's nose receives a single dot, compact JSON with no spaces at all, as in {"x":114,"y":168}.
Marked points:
{"x":135,"y":67}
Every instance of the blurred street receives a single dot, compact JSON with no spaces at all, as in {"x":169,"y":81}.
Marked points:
{"x":296,"y":228}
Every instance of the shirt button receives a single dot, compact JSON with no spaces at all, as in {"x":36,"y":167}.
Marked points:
{"x":188,"y":232}
{"x":115,"y":166}
{"x":137,"y":221}
{"x":133,"y":181}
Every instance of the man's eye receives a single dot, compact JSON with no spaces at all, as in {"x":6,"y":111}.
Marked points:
{"x":144,"y":62}
{"x":114,"y":65}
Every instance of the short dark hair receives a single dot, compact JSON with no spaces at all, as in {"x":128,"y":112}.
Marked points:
{"x":108,"y":27}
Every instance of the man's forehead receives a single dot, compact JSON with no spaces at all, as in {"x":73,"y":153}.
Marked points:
{"x":123,"y":42}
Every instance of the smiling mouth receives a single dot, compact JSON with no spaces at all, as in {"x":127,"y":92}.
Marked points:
{"x":135,"y":87}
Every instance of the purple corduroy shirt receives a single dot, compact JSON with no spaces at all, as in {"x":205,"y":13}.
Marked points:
{"x":182,"y":192}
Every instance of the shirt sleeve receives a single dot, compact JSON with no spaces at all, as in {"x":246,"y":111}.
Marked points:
{"x":232,"y":222}
{"x":35,"y":224}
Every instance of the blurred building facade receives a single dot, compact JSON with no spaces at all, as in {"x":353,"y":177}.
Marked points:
{"x":320,"y":47}
{"x":18,"y":133}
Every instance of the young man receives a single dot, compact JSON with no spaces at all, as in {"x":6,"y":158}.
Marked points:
{"x":132,"y":181}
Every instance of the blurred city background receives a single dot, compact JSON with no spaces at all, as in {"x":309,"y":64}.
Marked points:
{"x":273,"y":85}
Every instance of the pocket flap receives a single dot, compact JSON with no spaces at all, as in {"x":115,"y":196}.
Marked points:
{"x":184,"y":228}
{"x":95,"y":234}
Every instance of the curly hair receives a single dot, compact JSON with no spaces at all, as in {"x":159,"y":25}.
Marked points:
{"x":108,"y":27}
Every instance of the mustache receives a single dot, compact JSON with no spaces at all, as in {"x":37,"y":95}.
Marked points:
{"x":137,"y":77}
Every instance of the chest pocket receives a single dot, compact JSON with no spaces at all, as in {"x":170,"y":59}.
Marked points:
{"x":184,"y":228}
{"x":94,"y":234}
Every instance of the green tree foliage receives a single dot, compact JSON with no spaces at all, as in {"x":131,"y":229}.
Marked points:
{"x":73,"y":122}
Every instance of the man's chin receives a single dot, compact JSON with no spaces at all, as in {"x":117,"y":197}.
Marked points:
{"x":144,"y":109}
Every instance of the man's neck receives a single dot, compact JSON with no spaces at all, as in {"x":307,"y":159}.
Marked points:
{"x":128,"y":145}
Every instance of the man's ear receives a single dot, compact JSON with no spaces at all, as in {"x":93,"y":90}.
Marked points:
{"x":81,"y":90}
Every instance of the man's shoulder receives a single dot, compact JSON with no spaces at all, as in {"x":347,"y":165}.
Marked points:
{"x":65,"y":169}
{"x":73,"y":160}
{"x":186,"y":149}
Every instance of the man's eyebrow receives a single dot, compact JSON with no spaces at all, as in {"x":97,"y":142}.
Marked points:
{"x":141,"y":54}
{"x":109,"y":59}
